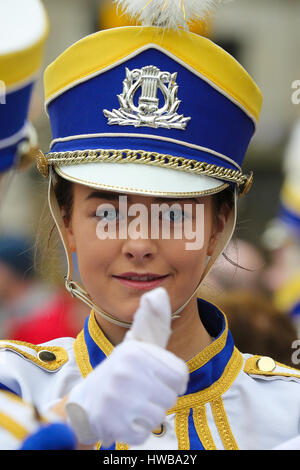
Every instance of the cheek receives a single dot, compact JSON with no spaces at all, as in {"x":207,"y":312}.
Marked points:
{"x":186,"y":263}
{"x":94,"y":258}
{"x":93,"y":254}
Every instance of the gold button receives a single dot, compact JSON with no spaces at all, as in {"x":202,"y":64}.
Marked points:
{"x":46,"y":356}
{"x":266,"y":364}
{"x":247,"y":185}
{"x":160,"y":431}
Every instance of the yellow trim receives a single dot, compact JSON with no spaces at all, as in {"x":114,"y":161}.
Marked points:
{"x":201,"y":425}
{"x":182,"y":429}
{"x":98,"y":336}
{"x":82,"y":355}
{"x":119,"y":446}
{"x":230,"y":373}
{"x":11,"y":426}
{"x":114,"y":45}
{"x":14,"y":397}
{"x":122,"y":446}
{"x":251,"y":368}
{"x":60,"y":353}
{"x":210,"y":351}
{"x":223,"y":425}
{"x":19,"y":66}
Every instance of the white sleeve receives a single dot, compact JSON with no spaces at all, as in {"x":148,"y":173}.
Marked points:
{"x":20,"y":421}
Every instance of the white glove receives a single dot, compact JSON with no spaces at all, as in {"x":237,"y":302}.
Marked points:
{"x":126,"y":396}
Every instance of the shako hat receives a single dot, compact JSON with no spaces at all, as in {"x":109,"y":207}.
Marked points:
{"x":23,"y":32}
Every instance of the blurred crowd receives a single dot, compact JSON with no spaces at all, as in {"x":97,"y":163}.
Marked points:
{"x":257,"y":285}
{"x":31,"y":309}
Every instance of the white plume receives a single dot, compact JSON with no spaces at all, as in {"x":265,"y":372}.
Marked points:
{"x":171,"y":14}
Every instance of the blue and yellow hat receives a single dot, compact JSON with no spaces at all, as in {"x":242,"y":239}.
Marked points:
{"x":23,"y":31}
{"x":151,"y":111}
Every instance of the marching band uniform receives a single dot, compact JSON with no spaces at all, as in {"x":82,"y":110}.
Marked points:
{"x":154,"y":111}
{"x":233,"y":400}
{"x":24,"y":28}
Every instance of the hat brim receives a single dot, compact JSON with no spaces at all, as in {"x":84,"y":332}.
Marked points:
{"x":136,"y":179}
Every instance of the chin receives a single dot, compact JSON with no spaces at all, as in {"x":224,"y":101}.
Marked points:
{"x":123,"y":311}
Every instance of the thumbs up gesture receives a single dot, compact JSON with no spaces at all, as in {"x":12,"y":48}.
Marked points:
{"x":126,"y":396}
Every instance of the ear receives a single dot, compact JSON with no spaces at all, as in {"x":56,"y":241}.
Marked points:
{"x":69,"y":230}
{"x":218,"y":227}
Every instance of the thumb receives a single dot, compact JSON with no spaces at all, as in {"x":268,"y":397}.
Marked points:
{"x":152,"y":320}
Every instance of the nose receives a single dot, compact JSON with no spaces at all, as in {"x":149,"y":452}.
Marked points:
{"x":139,"y":250}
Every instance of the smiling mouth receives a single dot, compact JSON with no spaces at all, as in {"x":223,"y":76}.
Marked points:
{"x":142,"y":280}
{"x":141,"y":277}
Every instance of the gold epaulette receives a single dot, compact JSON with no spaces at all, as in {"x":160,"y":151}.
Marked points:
{"x":266,"y":366}
{"x":50,"y":358}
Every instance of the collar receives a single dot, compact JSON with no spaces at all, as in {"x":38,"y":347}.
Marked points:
{"x":212,"y":370}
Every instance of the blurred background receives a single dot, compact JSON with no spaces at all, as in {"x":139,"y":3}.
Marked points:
{"x":261,"y":269}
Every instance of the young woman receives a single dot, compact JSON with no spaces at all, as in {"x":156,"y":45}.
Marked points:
{"x":150,"y":126}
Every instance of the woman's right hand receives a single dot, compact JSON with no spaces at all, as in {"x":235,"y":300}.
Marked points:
{"x":126,"y":396}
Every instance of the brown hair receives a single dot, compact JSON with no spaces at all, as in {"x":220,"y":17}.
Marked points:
{"x":257,"y":326}
{"x":64,"y":194}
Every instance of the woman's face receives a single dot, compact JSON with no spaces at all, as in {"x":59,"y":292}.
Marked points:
{"x":123,"y":251}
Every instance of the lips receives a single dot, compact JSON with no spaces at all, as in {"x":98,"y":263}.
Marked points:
{"x":141,"y":280}
{"x":141,"y":276}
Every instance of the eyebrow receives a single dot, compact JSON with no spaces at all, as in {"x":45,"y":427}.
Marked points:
{"x":115,"y":196}
{"x":103,"y":195}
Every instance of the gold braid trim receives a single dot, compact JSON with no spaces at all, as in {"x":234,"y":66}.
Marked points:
{"x":119,"y":446}
{"x":252,"y":368}
{"x":201,"y":425}
{"x":140,"y":156}
{"x":182,"y":429}
{"x":61,"y":356}
{"x":223,"y":425}
{"x":98,"y":336}
{"x":210,"y":351}
{"x":215,"y":390}
{"x":82,"y":355}
{"x":122,"y":446}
